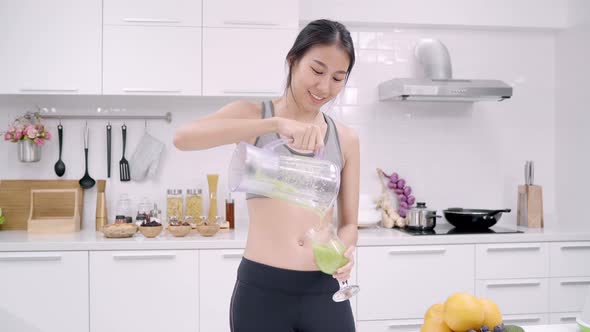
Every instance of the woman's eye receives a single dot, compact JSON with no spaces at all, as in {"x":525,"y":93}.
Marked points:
{"x":315,"y":71}
{"x":337,"y":80}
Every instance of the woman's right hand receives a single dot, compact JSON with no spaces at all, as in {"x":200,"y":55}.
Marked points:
{"x":306,"y":136}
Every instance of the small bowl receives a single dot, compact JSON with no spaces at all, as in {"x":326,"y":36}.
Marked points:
{"x":179,"y":230}
{"x":150,"y":231}
{"x":119,"y":230}
{"x":208,"y":229}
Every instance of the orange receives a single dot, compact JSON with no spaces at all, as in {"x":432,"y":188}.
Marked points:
{"x":463,"y":311}
{"x":435,"y":311}
{"x":435,"y":325}
{"x":492,"y":314}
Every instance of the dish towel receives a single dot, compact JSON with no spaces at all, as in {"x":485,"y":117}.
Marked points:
{"x":146,"y":157}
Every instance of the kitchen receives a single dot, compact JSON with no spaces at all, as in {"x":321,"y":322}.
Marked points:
{"x":452,"y":154}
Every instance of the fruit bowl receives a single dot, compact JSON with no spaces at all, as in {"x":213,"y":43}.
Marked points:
{"x":208,"y":229}
{"x":119,"y":230}
{"x":150,"y":231}
{"x":179,"y":230}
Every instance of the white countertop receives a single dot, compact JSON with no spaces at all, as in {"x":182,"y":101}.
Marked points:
{"x":552,"y":328}
{"x":226,"y":239}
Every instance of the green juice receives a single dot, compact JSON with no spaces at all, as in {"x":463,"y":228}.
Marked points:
{"x":329,"y":257}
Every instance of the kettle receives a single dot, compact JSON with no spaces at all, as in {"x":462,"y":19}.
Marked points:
{"x":420,"y":218}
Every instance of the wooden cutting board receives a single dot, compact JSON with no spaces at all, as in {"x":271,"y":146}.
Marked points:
{"x":15,"y":199}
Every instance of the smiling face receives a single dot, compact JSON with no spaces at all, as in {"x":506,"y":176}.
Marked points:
{"x":319,"y":76}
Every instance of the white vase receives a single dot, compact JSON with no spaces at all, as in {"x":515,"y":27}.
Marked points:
{"x":28,"y":152}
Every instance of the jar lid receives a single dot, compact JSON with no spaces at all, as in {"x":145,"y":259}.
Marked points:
{"x":174,"y":191}
{"x":193,"y":191}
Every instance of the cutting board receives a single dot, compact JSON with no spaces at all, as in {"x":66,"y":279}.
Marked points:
{"x":15,"y":199}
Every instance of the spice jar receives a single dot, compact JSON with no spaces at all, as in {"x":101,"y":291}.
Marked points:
{"x":229,"y":211}
{"x":174,"y":204}
{"x":194,"y":203}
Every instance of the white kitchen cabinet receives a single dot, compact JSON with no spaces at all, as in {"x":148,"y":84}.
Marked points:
{"x":144,"y":291}
{"x":401,"y":282}
{"x":516,"y":296}
{"x":563,"y":317}
{"x":50,"y":47}
{"x":276,"y":14}
{"x":44,"y":291}
{"x":400,"y":325}
{"x":152,"y":60}
{"x":217,"y":277}
{"x":245,"y":62}
{"x":570,"y":259}
{"x":511,"y":260}
{"x":153,"y":12}
{"x":568,"y":294}
{"x":526,"y":319}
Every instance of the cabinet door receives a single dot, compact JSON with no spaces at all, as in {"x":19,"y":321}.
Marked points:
{"x":564,"y":318}
{"x":253,"y":13}
{"x":44,"y":291}
{"x":153,"y":12}
{"x":152,"y":60}
{"x":568,"y":259}
{"x":568,"y":294}
{"x":516,"y":296}
{"x":401,"y":282}
{"x":144,"y":291}
{"x":527,"y":260}
{"x":217,"y":277}
{"x":245,"y":62}
{"x":50,"y":47}
{"x":524,"y":320}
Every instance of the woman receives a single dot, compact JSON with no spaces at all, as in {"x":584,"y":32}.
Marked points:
{"x":279,"y":287}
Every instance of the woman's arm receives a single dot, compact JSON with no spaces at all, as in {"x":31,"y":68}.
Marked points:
{"x":348,"y":198}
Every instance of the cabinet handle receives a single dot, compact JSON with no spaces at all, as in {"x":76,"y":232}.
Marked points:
{"x":47,"y":90}
{"x":567,"y":318}
{"x":575,"y":282}
{"x":575,"y":246}
{"x":151,"y":90}
{"x":523,"y":248}
{"x":150,"y":20}
{"x":143,"y":256}
{"x":490,"y":284}
{"x":523,"y":319}
{"x":417,"y":251}
{"x":234,"y":255}
{"x":244,"y":22}
{"x":252,"y":92}
{"x":406,"y":324}
{"x":38,"y":258}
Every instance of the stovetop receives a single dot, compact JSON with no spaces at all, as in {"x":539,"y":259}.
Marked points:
{"x":446,"y":229}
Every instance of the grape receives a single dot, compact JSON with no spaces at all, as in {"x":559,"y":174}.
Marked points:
{"x":401,"y":183}
{"x":485,"y":328}
{"x":411,"y":200}
{"x":399,"y":191}
{"x":498,"y":328}
{"x":472,"y":330}
{"x":393,"y":177}
{"x":402,"y":212}
{"x":403,"y":198}
{"x":391,"y":185}
{"x":403,"y":204}
{"x":407,"y":190}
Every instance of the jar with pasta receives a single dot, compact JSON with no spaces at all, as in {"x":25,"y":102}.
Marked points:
{"x":194,"y":203}
{"x":174,"y":204}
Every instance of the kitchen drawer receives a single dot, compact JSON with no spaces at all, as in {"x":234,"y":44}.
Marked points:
{"x":516,"y":296}
{"x":526,"y":260}
{"x":268,"y":14}
{"x":401,"y":282}
{"x":568,"y":294}
{"x":153,"y":12}
{"x":526,"y":319}
{"x":570,"y":259}
{"x":400,"y":325}
{"x":563,"y":317}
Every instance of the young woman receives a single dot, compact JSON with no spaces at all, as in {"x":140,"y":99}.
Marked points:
{"x":279,"y":287}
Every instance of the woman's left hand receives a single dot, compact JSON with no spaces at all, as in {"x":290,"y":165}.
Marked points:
{"x":343,"y":273}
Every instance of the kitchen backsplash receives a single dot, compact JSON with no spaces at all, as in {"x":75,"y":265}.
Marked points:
{"x":464,"y":155}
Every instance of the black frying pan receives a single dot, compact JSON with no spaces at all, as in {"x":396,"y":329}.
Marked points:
{"x":473,"y":218}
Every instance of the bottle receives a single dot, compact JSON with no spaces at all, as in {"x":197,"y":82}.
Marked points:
{"x":229,"y":211}
{"x":193,"y":203}
{"x":173,"y":204}
{"x":212,"y":180}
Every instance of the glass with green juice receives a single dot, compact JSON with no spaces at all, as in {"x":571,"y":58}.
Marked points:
{"x":328,"y":251}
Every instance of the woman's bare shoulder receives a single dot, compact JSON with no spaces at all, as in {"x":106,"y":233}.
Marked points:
{"x":348,"y":137}
{"x":241,"y":109}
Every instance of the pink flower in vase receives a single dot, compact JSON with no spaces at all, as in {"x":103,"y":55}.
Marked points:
{"x":18,"y":135}
{"x":39,"y":141}
{"x":7,"y":137}
{"x":31,"y":131}
{"x":47,"y":135}
{"x":11,"y":129}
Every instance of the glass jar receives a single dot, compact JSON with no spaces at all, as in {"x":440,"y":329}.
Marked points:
{"x":194,"y":203}
{"x":174,"y":204}
{"x":123,"y":206}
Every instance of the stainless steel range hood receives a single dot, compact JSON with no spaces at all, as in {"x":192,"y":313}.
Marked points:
{"x":438,"y":84}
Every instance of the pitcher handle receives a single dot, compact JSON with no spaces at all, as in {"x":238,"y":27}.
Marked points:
{"x":282,"y":141}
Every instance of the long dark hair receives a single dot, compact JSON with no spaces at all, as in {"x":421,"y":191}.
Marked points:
{"x":320,"y":32}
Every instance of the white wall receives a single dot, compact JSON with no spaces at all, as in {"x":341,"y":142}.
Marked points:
{"x":451,"y":154}
{"x":572,"y":116}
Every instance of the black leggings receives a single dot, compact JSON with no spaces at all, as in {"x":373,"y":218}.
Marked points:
{"x":270,"y":299}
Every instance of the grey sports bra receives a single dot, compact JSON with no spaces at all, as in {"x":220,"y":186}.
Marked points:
{"x":332,"y":150}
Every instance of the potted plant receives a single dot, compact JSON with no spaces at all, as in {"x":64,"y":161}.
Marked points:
{"x":30,"y":135}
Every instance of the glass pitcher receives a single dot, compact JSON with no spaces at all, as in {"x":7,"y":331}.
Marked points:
{"x":312,"y":183}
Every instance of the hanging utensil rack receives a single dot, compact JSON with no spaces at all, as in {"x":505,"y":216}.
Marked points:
{"x":167,"y":117}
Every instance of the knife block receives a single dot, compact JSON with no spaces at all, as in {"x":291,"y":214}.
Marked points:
{"x":54,"y":211}
{"x":530,"y":206}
